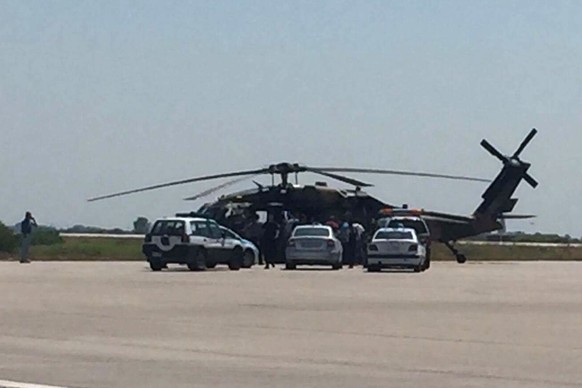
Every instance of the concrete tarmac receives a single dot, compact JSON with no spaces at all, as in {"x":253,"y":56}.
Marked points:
{"x":120,"y":325}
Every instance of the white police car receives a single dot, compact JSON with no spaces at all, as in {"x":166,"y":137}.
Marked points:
{"x":396,"y":248}
{"x":250,"y":251}
{"x":196,"y":242}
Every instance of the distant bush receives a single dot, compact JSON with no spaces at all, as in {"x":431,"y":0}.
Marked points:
{"x":94,"y":230}
{"x":8,"y":240}
{"x":521,"y":237}
{"x":141,"y":225}
{"x":46,"y":235}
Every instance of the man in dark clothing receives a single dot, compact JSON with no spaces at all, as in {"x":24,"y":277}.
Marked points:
{"x":269,"y":241}
{"x":26,"y":229}
{"x":350,"y":245}
{"x":254,"y":233}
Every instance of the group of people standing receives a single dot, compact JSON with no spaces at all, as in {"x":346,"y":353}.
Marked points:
{"x":352,"y":235}
{"x":271,"y":236}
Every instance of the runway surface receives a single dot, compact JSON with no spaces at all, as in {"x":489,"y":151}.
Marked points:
{"x":120,"y":325}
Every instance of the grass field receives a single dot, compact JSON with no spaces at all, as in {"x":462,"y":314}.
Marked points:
{"x":129,"y":249}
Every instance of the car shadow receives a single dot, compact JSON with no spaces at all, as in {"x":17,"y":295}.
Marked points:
{"x":184,"y":269}
{"x":391,"y":270}
{"x":314,"y":269}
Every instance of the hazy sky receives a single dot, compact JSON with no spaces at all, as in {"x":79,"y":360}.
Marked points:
{"x":102,"y":96}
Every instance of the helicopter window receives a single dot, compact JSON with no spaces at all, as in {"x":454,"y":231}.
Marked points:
{"x":393,"y":236}
{"x":311,"y":232}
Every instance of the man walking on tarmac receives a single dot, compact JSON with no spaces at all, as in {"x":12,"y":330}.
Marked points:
{"x":26,"y":229}
{"x":269,"y":241}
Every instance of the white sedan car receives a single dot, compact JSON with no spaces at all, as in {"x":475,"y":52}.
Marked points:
{"x":313,"y":245}
{"x":396,"y":248}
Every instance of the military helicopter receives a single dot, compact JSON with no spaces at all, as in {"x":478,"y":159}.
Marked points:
{"x":315,"y":202}
{"x":319,"y":201}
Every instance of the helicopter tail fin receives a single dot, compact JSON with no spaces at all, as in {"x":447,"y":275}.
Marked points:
{"x":497,"y":199}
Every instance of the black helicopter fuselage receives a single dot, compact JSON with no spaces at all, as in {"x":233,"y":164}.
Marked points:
{"x":314,"y":202}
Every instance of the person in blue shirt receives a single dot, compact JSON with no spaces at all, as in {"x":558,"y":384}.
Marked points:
{"x":26,"y":229}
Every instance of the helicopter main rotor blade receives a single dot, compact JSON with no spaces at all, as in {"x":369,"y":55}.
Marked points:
{"x":525,"y":142}
{"x":181,"y":182}
{"x":493,"y":151}
{"x":340,"y":178}
{"x":217,"y":187}
{"x":399,"y":172}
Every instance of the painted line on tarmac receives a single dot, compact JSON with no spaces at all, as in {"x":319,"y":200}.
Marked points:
{"x":15,"y":384}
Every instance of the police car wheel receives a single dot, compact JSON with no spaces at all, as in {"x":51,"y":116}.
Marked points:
{"x":373,"y":268}
{"x":156,"y":264}
{"x":461,"y":259}
{"x":198,"y":261}
{"x":236,"y":260}
{"x":249,"y":259}
{"x":290,"y":265}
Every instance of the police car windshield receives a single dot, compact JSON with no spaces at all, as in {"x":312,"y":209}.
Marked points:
{"x":393,"y":235}
{"x":311,"y":232}
{"x":417,"y":225}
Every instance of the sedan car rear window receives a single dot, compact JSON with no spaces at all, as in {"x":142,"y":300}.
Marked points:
{"x":311,"y":232}
{"x":394,"y":236}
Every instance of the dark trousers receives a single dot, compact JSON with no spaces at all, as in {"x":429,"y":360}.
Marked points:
{"x":349,"y":255}
{"x":269,"y":249}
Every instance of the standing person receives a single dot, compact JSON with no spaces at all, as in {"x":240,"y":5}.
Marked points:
{"x":360,"y":243}
{"x":351,"y":245}
{"x":286,"y":230}
{"x":332,"y":222}
{"x":269,"y":243}
{"x":26,"y":229}
{"x":343,"y":236}
{"x":254,"y":232}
